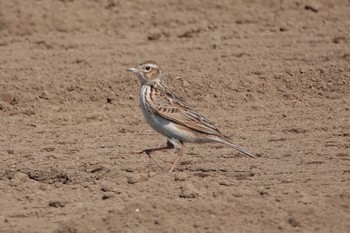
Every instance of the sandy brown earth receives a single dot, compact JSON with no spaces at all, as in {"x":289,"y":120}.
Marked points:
{"x":273,"y":75}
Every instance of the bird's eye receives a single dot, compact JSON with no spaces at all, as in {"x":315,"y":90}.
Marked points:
{"x":148,"y":68}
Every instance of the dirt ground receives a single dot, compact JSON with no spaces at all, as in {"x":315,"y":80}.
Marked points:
{"x":272,"y":75}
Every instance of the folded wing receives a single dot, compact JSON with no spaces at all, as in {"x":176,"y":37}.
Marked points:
{"x":173,"y":108}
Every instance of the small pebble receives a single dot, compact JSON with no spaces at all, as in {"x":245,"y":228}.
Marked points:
{"x":188,"y":191}
{"x":182,"y":176}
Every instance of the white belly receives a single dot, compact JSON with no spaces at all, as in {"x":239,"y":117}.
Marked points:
{"x":168,"y":128}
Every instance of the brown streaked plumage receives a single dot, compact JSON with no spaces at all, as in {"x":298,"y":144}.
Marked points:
{"x":171,"y":116}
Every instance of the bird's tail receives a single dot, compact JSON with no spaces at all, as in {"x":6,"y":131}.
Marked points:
{"x":238,"y":148}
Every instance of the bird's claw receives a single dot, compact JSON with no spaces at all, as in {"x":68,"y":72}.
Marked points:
{"x":148,"y":152}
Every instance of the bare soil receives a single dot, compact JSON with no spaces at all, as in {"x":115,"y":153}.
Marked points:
{"x":273,"y":75}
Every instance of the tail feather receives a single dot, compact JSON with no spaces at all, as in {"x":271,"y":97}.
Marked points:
{"x":238,"y":148}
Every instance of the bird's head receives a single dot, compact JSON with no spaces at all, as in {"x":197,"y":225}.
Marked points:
{"x":147,"y":71}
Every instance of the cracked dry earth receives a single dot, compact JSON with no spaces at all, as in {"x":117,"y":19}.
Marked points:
{"x":273,"y":75}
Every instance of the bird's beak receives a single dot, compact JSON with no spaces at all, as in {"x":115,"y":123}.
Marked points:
{"x":132,"y":70}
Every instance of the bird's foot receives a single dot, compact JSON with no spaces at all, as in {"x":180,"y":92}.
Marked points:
{"x":146,"y":151}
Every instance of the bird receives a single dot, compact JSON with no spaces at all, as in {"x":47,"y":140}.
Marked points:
{"x":172,"y":117}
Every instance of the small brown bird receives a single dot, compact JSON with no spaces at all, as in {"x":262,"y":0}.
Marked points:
{"x":172,"y":117}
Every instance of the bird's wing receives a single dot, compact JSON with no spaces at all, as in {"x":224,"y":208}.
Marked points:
{"x":168,"y":105}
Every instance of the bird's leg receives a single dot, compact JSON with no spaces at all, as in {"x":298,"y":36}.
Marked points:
{"x":151,"y":150}
{"x":179,"y":155}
